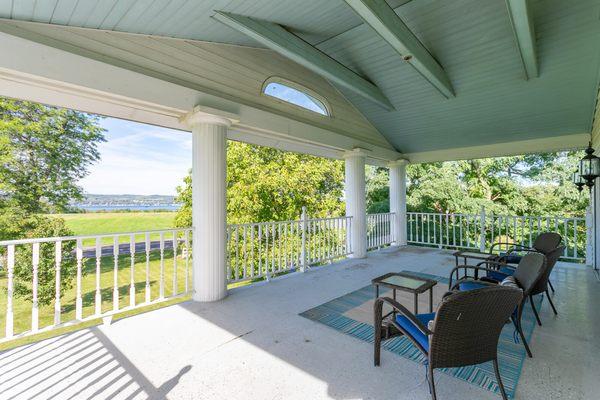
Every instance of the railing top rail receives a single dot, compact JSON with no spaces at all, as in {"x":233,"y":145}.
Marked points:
{"x":489,"y":214}
{"x":293,"y":221}
{"x":383,"y":213}
{"x":83,"y":237}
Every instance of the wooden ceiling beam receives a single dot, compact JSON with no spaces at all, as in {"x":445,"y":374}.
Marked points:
{"x":522,"y":24}
{"x":277,"y":38}
{"x":387,"y":24}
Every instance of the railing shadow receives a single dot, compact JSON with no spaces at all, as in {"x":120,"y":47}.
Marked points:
{"x":81,"y":365}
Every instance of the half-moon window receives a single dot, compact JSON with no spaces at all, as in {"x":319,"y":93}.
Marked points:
{"x":295,"y":94}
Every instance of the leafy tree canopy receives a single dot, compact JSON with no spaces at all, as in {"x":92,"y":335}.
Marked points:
{"x":538,"y":184}
{"x":265,"y":184}
{"x":44,"y":152}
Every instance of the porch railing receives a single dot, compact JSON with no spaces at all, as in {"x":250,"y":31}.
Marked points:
{"x":111,"y":273}
{"x":480,"y":231}
{"x":379,"y":230}
{"x":262,"y":250}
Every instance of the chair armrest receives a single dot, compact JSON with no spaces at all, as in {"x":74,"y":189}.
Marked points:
{"x":497,"y":244}
{"x":476,"y":268}
{"x":378,"y":309}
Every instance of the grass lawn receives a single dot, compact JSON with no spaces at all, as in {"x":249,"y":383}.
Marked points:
{"x":22,"y":308}
{"x":100,"y":223}
{"x":103,"y":223}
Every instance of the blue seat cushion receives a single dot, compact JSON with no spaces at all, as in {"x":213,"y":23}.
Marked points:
{"x":511,"y":258}
{"x":471,"y":285}
{"x":501,"y":274}
{"x":412,"y":329}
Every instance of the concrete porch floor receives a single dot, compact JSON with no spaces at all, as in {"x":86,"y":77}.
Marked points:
{"x":253,"y":345}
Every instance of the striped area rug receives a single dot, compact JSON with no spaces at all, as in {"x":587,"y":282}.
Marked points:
{"x":511,"y":355}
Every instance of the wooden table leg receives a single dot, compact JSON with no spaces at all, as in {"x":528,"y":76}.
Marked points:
{"x":431,"y":299}
{"x":416,"y":303}
{"x":376,"y":291}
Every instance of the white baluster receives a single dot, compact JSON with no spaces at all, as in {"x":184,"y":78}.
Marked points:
{"x":575,"y":246}
{"x":235,"y":266}
{"x":273,"y":245}
{"x":34,"y":288}
{"x":279,"y":248}
{"x":260,"y":247}
{"x":253,"y":260}
{"x":161,"y":287}
{"x":132,"y":271}
{"x":58,"y":262}
{"x":98,"y":308}
{"x":78,"y":300}
{"x":10,"y":268}
{"x":147,"y":248}
{"x":175,"y":289}
{"x":286,"y":247}
{"x":244,"y":253}
{"x":116,"y":273}
{"x":186,"y":250}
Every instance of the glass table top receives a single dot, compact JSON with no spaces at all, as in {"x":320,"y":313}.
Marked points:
{"x":403,"y":281}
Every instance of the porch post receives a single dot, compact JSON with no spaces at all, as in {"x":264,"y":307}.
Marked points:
{"x":209,"y":237}
{"x":356,"y":200}
{"x":398,"y":200}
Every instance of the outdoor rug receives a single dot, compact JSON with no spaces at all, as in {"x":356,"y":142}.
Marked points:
{"x":352,"y":314}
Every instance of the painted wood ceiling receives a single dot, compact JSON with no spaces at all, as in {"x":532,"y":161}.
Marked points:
{"x":471,"y":39}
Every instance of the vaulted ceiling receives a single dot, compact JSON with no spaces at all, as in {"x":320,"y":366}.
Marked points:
{"x":495,"y":84}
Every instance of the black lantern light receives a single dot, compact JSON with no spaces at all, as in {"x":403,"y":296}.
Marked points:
{"x":578,"y":181}
{"x":589,"y":167}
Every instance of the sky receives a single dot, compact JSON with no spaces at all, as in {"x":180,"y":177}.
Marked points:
{"x":144,"y":159}
{"x":139,"y":159}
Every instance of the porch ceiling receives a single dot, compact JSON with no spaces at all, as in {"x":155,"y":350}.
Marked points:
{"x":472,"y":40}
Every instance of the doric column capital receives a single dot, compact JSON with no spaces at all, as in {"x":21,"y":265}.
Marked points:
{"x":356,"y":152}
{"x":398,"y":163}
{"x":208,"y":115}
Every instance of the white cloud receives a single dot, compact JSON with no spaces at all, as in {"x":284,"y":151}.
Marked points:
{"x":139,"y":159}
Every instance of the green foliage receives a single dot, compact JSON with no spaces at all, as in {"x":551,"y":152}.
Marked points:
{"x":538,"y":184}
{"x":44,"y":152}
{"x":265,"y":184}
{"x":23,"y":226}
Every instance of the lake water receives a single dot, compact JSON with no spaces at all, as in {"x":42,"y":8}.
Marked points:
{"x":133,"y":207}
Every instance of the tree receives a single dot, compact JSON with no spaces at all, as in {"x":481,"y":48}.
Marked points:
{"x":265,"y":184}
{"x":537,"y":184}
{"x":44,"y":152}
{"x":36,"y":226}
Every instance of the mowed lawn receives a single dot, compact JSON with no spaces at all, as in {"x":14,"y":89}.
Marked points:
{"x":104,"y":223}
{"x":101,"y":223}
{"x":175,"y":269}
{"x":175,"y":277}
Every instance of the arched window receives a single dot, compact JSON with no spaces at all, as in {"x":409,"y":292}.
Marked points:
{"x":296,"y":95}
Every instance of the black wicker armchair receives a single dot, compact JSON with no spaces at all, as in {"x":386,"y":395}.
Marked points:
{"x":541,"y":286}
{"x":466,"y":329}
{"x":526,"y":275}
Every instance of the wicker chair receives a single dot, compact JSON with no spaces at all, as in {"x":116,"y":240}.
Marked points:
{"x":527,"y":275}
{"x":541,"y":286}
{"x":467,"y":327}
{"x":544,"y":243}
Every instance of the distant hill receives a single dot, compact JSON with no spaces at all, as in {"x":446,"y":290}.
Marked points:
{"x":125,"y":201}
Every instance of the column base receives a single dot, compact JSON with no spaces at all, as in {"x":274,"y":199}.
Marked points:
{"x":207,"y":298}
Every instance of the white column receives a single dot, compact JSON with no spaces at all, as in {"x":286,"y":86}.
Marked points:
{"x":595,"y":201}
{"x":209,"y":207}
{"x":356,"y":200}
{"x":398,"y":200}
